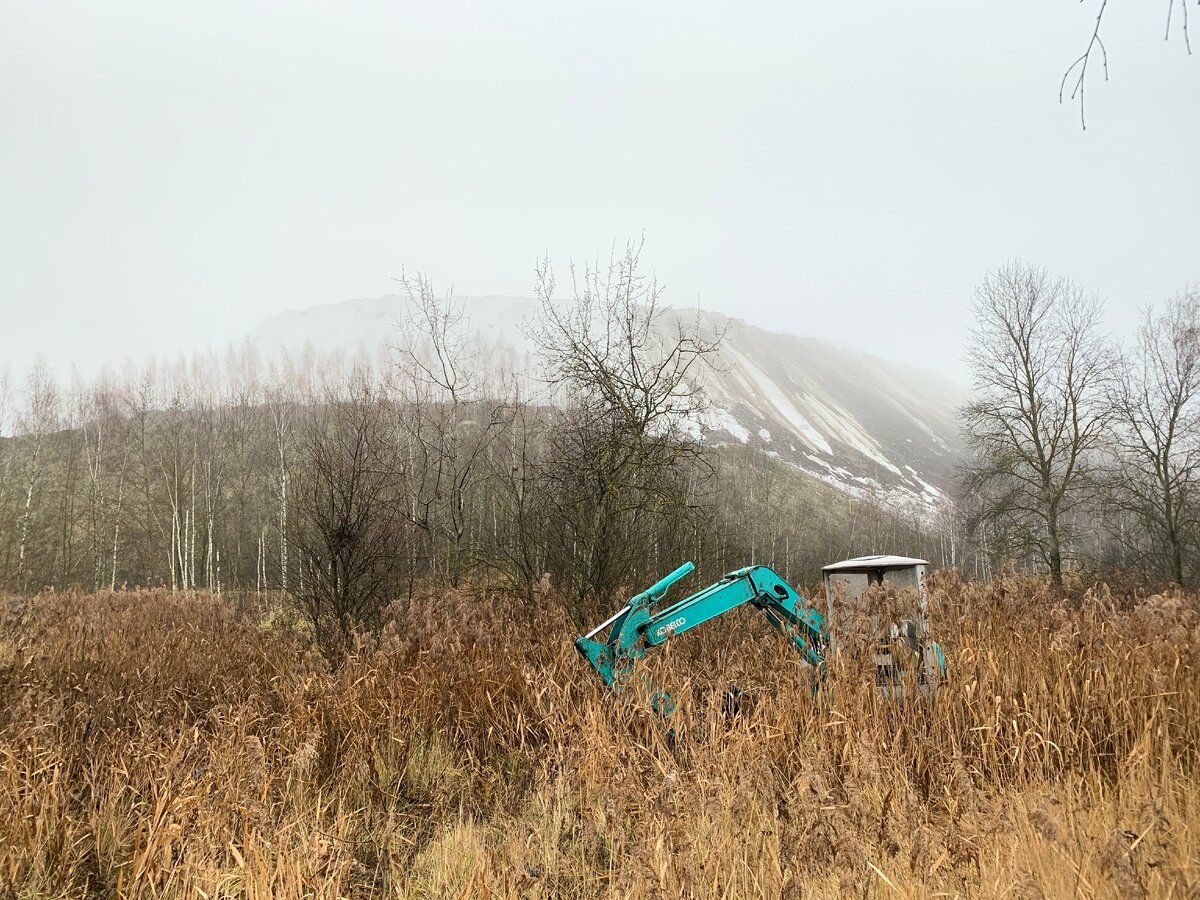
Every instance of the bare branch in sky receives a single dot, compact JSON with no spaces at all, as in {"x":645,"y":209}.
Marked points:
{"x":1080,"y":66}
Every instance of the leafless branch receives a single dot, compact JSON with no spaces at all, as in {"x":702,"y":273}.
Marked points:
{"x":1081,"y":66}
{"x":1170,"y":12}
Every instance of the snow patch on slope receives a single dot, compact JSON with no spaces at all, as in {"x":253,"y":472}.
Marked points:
{"x":782,"y":406}
{"x":718,"y":419}
{"x":927,"y":488}
{"x":851,"y":433}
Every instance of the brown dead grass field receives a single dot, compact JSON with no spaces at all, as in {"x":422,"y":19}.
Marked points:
{"x":182,"y":746}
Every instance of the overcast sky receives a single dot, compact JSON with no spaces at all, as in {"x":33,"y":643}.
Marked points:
{"x":170,"y":173}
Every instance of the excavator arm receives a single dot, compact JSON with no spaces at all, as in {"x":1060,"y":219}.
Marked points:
{"x":639,"y":625}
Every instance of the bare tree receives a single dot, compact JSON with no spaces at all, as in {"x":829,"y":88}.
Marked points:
{"x":449,"y":421}
{"x":284,"y":396}
{"x":8,"y":455}
{"x":143,"y":401}
{"x":38,"y":421}
{"x":516,"y":467}
{"x":178,"y":460}
{"x":349,"y":511}
{"x":1039,"y":369}
{"x":625,"y":378}
{"x":94,"y":417}
{"x":1156,"y":463}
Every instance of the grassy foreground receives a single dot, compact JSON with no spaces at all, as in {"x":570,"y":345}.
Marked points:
{"x":167,"y":745}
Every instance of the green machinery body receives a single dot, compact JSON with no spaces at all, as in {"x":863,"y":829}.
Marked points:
{"x":644,"y":622}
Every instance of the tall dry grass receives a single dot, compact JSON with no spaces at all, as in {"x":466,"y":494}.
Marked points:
{"x":165,"y":745}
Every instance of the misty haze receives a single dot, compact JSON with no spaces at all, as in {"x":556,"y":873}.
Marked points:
{"x":541,"y":451}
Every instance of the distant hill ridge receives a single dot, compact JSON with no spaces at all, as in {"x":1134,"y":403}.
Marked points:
{"x":850,"y":417}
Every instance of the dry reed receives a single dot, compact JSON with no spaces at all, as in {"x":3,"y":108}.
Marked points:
{"x":178,"y":745}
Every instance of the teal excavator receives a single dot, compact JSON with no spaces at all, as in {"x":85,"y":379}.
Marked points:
{"x":645,"y":622}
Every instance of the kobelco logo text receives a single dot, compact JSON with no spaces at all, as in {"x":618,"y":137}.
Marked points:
{"x":663,"y":630}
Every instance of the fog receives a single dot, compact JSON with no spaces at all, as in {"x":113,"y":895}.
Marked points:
{"x":171,"y":174}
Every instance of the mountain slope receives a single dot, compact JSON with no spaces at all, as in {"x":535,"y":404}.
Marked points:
{"x":861,"y":422}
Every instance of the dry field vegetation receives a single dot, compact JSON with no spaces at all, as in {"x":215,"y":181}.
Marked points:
{"x":188,"y":746}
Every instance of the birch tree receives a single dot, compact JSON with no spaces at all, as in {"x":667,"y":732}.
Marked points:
{"x":143,"y":400}
{"x":96,"y":440}
{"x":39,"y":419}
{"x":243,"y":426}
{"x":518,"y":496}
{"x":7,"y":455}
{"x":282,"y":401}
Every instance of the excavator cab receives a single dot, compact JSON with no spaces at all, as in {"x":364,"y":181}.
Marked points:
{"x":885,"y":597}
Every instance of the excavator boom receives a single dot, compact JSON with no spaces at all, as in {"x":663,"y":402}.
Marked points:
{"x":639,"y":625}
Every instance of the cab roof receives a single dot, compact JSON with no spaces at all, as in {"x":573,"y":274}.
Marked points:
{"x":867,"y":563}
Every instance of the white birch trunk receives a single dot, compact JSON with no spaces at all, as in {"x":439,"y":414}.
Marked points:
{"x":283,"y":517}
{"x":27,"y":512}
{"x":192,"y":529}
{"x":112,"y":586}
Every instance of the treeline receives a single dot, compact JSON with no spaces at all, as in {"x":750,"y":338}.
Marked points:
{"x":347,"y":483}
{"x":146,"y":480}
{"x":1082,"y":451}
